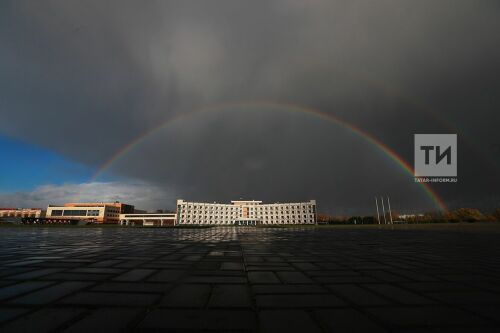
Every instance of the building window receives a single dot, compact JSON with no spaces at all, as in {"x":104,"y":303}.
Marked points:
{"x":93,"y":213}
{"x":57,"y":212}
{"x":75,"y":212}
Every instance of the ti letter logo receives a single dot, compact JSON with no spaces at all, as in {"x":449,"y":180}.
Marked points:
{"x":435,"y":155}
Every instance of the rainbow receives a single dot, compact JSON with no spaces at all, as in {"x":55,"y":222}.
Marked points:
{"x":436,"y":199}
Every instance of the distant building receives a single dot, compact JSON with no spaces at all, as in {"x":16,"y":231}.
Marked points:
{"x":246,"y":213}
{"x":97,"y":212}
{"x":22,"y":212}
{"x":148,"y":219}
{"x":410,"y":216}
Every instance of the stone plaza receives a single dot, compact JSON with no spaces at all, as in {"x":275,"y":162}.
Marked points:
{"x":247,"y":279}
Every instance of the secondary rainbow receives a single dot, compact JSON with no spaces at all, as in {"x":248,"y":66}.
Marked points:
{"x":437,"y":200}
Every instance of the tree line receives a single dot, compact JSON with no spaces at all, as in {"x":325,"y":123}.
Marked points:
{"x":454,"y":216}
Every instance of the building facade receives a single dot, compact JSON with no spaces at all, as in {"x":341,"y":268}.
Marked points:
{"x":245,"y":213}
{"x":102,"y":212}
{"x":122,"y":208}
{"x":22,"y":212}
{"x":149,"y":219}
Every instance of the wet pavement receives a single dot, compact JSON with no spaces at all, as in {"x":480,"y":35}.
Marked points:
{"x":357,"y":279}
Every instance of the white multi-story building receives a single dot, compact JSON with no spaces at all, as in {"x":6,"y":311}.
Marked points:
{"x":246,"y":213}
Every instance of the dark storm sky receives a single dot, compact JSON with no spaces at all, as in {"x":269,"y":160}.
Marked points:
{"x":84,"y":78}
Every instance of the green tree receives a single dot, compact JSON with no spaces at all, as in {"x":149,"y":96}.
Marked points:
{"x":469,"y":214}
{"x":451,"y":217}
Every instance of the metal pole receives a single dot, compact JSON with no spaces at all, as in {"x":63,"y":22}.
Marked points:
{"x":390,"y":213}
{"x":383,"y":209}
{"x":378,"y":214}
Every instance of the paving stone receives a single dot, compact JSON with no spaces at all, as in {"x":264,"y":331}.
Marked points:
{"x":288,"y":289}
{"x":105,"y":320}
{"x":238,"y":266}
{"x":330,"y":266}
{"x":167,"y":265}
{"x":271,"y":265}
{"x":187,"y":295}
{"x":110,"y":299}
{"x":273,"y":259}
{"x":491,"y":312}
{"x":345,"y":279}
{"x":215,"y":279}
{"x":97,"y":270}
{"x":415,"y":275}
{"x":262,"y":277}
{"x":78,"y":260}
{"x":487,"y":286}
{"x":25,"y":263}
{"x":251,"y":259}
{"x":450,"y":329}
{"x":76,"y":277}
{"x":60,"y":264}
{"x":294,"y":277}
{"x":167,"y":275}
{"x":196,"y":272}
{"x":347,"y":320}
{"x":426,"y":316}
{"x":358,"y":295}
{"x":199,"y":320}
{"x":436,"y":286}
{"x":50,"y":294}
{"x":131,"y":287}
{"x":307,"y":266}
{"x":9,"y":271}
{"x":299,"y":301}
{"x":466,"y":297}
{"x":192,"y":258}
{"x":250,"y":268}
{"x":106,"y":263}
{"x":21,"y":288}
{"x":34,"y":274}
{"x":207,"y":265}
{"x":408,"y":279}
{"x":44,"y":258}
{"x":4,"y":283}
{"x":340,"y":272}
{"x":398,"y":294}
{"x":287,"y":321}
{"x":129,"y":264}
{"x":387,"y":276}
{"x":230,"y":296}
{"x":135,"y":275}
{"x":10,"y":313}
{"x":44,"y":320}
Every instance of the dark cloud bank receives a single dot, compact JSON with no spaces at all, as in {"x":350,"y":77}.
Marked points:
{"x":84,"y":78}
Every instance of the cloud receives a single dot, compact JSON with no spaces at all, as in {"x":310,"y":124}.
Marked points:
{"x":139,"y":194}
{"x":86,"y":78}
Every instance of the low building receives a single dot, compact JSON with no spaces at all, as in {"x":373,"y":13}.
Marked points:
{"x":22,"y":212}
{"x":246,"y":213}
{"x":101,"y":212}
{"x":149,"y":219}
{"x":410,"y":216}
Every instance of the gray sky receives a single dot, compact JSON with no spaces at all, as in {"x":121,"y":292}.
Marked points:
{"x":85,"y":78}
